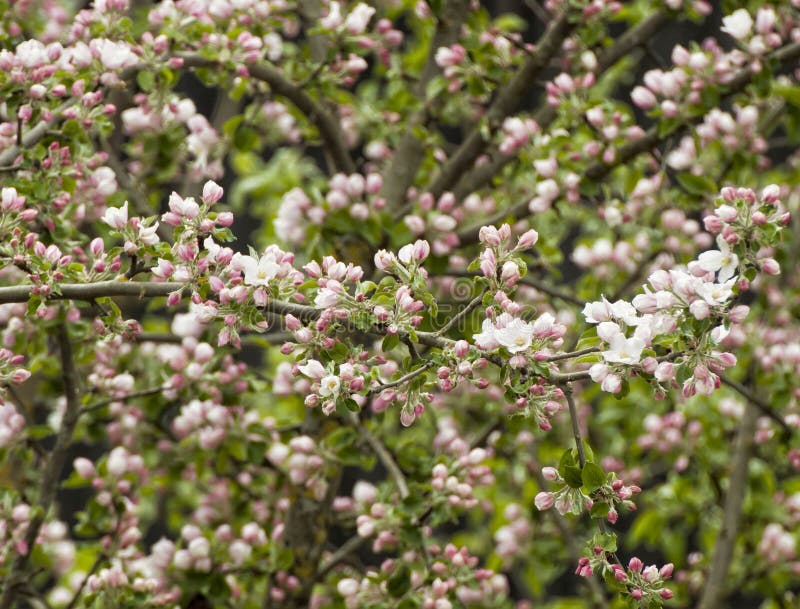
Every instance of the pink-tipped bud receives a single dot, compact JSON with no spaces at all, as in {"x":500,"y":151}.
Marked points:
{"x":770,"y":266}
{"x":212,"y":192}
{"x":528,"y":239}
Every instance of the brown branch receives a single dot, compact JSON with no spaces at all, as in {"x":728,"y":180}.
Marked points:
{"x":346,"y":549}
{"x":534,"y":283}
{"x":471,"y":306}
{"x":576,"y":426}
{"x":384,"y":456}
{"x":402,"y":380}
{"x":35,"y":133}
{"x":507,"y":101}
{"x":52,"y":468}
{"x":571,"y":354}
{"x":133,"y":395}
{"x":715,"y":587}
{"x":327,"y":124}
{"x":410,"y":152}
{"x":756,"y":401}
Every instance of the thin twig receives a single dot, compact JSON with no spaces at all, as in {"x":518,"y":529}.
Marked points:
{"x":576,"y":428}
{"x":106,"y":402}
{"x":534,"y":283}
{"x":763,"y":406}
{"x":572,"y":354}
{"x":384,"y":456}
{"x":346,"y":549}
{"x":402,"y":380}
{"x":462,"y":313}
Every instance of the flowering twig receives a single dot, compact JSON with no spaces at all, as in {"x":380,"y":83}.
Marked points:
{"x":632,"y":38}
{"x":652,"y":138}
{"x":462,"y":313}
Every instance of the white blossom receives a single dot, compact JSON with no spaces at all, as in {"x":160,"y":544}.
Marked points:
{"x":738,"y":24}
{"x":515,"y":336}
{"x":261,"y":271}
{"x":624,"y":350}
{"x":329,"y":386}
{"x":722,"y":260}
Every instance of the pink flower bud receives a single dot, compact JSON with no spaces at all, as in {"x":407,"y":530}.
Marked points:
{"x":528,"y":239}
{"x":712,"y":224}
{"x":550,"y":473}
{"x":212,"y":192}
{"x":770,"y":266}
{"x":544,"y":501}
{"x":771,"y":194}
{"x":643,"y":97}
{"x":726,"y":213}
{"x":84,"y":468}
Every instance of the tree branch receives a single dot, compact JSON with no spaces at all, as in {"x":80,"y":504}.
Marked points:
{"x":714,"y":590}
{"x":534,"y":283}
{"x":599,"y":170}
{"x":576,"y":427}
{"x":632,"y":38}
{"x":756,"y":401}
{"x":410,"y":153}
{"x":53,"y":467}
{"x":328,"y":125}
{"x":35,"y":133}
{"x":507,"y":101}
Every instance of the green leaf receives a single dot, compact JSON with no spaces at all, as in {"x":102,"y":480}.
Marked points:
{"x":572,"y":476}
{"x":351,"y":405}
{"x":146,"y":80}
{"x":390,"y":342}
{"x":599,"y":510}
{"x":400,"y":582}
{"x":593,"y":476}
{"x":696,"y":185}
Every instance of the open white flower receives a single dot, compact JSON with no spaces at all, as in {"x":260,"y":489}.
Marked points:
{"x":516,"y":336}
{"x":116,"y":217}
{"x":624,"y":350}
{"x":722,"y":260}
{"x":716,"y":293}
{"x":329,"y":386}
{"x":261,"y":271}
{"x":738,"y":24}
